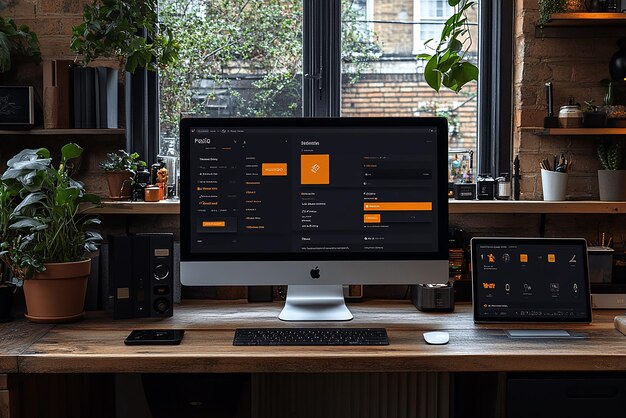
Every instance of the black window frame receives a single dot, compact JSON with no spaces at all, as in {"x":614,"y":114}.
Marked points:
{"x":495,"y":87}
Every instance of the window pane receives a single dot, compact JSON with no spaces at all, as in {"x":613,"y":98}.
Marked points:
{"x":390,"y":81}
{"x":238,"y":58}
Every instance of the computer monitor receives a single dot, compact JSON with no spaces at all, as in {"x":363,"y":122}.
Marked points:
{"x":313,"y":203}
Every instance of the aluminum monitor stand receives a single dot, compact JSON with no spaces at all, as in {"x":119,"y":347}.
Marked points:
{"x":315,"y":303}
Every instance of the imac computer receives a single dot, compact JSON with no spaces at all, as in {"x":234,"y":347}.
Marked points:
{"x":313,"y":203}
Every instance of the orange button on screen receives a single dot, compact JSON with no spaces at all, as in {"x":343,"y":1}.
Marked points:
{"x":401,"y":206}
{"x":371,"y":218}
{"x":213,"y":224}
{"x":274,"y":169}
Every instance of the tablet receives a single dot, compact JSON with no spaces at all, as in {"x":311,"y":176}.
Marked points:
{"x":530,"y":280}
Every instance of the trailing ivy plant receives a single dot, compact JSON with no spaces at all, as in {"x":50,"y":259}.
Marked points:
{"x":118,"y":29}
{"x":43,"y":223}
{"x":448,"y":64}
{"x":17,"y":41}
{"x":549,"y":7}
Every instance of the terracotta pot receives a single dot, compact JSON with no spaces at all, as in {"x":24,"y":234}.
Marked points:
{"x":57,"y":294}
{"x":119,"y":183}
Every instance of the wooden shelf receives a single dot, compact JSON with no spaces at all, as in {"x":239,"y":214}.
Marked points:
{"x":583,"y":25}
{"x":537,"y":207}
{"x":580,"y":131}
{"x":172,"y":207}
{"x":67,"y":132}
{"x":165,"y":207}
{"x":586,"y":19}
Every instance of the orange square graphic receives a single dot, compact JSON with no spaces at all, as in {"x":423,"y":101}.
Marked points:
{"x":551,"y":258}
{"x":315,"y":169}
{"x":523,"y":258}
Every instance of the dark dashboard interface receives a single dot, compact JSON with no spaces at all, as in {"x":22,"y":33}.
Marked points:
{"x":312,"y":190}
{"x":537,"y":280}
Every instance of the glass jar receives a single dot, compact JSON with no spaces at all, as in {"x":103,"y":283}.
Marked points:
{"x":503,"y":187}
{"x":571,"y":116}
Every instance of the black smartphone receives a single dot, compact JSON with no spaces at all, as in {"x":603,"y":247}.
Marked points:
{"x":155,"y":337}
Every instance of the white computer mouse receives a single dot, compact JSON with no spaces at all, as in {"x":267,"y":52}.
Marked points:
{"x":437,"y":337}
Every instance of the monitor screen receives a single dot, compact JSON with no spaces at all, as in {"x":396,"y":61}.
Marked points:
{"x":314,"y":189}
{"x":530,"y":280}
{"x":313,"y":203}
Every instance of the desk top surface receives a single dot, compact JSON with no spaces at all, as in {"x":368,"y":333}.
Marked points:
{"x":96,"y":343}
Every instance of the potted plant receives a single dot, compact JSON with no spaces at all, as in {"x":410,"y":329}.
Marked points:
{"x":47,"y":242}
{"x":126,"y":30}
{"x":593,"y":116}
{"x":120,"y":168}
{"x":612,"y":179}
{"x":130,"y":32}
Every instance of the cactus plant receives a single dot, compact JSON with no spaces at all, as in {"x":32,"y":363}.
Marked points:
{"x":611,"y":156}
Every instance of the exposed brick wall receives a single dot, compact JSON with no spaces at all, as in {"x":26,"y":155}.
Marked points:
{"x":52,"y":20}
{"x":576,"y":67}
{"x":394,"y":38}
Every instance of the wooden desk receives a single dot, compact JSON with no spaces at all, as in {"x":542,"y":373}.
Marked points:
{"x":76,"y":362}
{"x":95,"y":345}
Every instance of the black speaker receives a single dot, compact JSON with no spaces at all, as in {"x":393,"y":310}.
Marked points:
{"x":141,"y":269}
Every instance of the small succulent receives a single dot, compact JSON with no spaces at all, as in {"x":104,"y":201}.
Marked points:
{"x":611,"y":156}
{"x":590,"y":107}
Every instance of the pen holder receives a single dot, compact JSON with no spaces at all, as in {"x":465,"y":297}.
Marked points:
{"x":554,"y":185}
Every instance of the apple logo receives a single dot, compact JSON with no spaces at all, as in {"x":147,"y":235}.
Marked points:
{"x":315,"y":273}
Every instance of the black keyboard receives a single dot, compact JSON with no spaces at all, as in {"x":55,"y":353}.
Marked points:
{"x":310,"y":336}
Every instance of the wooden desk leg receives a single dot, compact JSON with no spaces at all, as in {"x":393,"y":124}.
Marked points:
{"x":8,"y":403}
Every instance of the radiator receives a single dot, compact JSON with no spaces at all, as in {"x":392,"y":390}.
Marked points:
{"x":351,"y":395}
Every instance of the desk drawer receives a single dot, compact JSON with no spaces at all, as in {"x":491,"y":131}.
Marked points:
{"x":566,"y":395}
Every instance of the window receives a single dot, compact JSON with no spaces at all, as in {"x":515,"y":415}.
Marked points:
{"x":279,"y":58}
{"x":238,"y":58}
{"x":389,"y":81}
{"x":430,"y":15}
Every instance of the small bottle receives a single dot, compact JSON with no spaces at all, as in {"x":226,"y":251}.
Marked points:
{"x":142,"y":179}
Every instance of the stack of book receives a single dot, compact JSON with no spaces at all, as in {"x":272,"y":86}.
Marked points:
{"x":80,"y":97}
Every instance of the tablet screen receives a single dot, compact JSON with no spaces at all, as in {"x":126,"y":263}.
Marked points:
{"x":530,"y":280}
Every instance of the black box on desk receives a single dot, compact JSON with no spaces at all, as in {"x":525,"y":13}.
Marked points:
{"x":465,"y":191}
{"x":141,"y":274}
{"x":433,"y":297}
